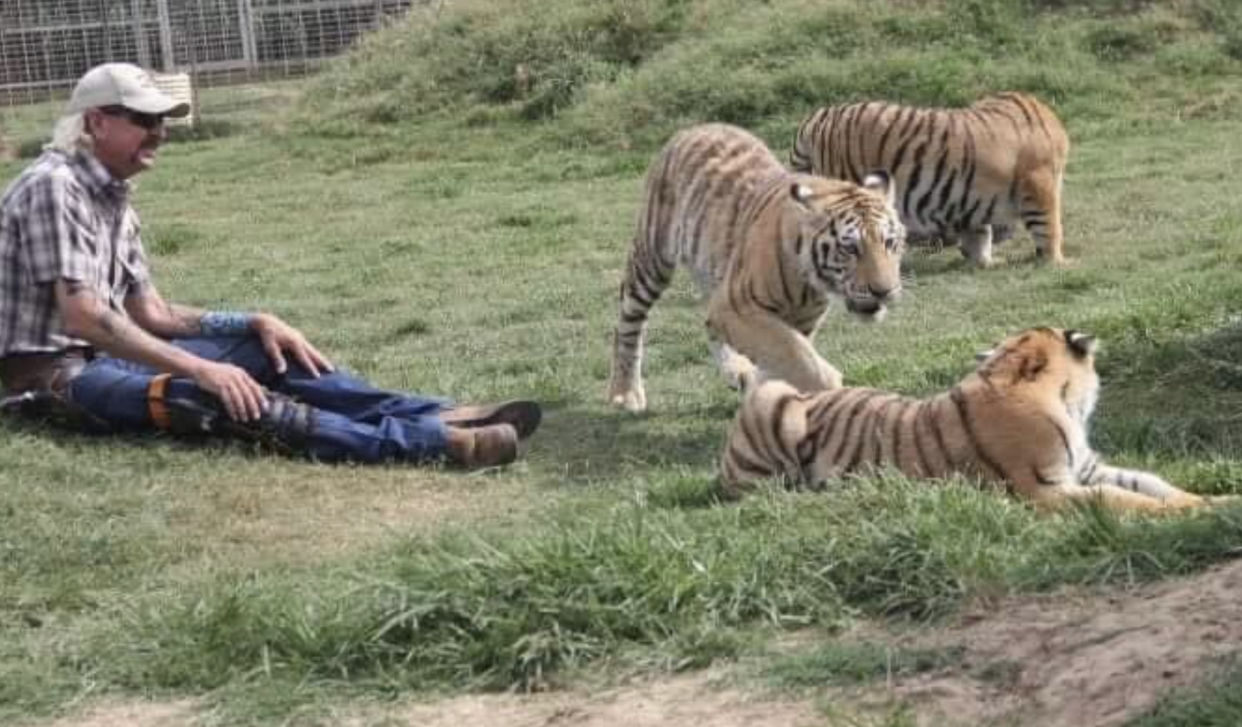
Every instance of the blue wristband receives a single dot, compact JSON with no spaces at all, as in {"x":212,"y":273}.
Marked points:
{"x":225,"y":323}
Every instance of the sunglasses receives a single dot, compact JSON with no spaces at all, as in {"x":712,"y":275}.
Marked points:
{"x":137,"y":118}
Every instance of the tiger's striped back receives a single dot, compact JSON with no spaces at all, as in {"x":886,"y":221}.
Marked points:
{"x":708,"y":182}
{"x":959,"y":173}
{"x":843,"y":431}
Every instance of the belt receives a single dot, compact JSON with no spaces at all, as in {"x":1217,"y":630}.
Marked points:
{"x":43,"y":371}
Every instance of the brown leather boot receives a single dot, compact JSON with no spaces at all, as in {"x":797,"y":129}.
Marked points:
{"x":523,"y":415}
{"x":488,"y":446}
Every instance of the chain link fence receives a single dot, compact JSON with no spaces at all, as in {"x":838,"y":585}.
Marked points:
{"x":46,"y":45}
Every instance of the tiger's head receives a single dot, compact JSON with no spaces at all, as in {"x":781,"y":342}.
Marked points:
{"x":850,"y":240}
{"x":1048,"y":363}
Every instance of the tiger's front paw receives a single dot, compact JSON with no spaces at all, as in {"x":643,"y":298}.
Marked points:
{"x":743,"y":379}
{"x":829,"y":377}
{"x":1056,"y":259}
{"x":633,"y":400}
{"x":739,"y":372}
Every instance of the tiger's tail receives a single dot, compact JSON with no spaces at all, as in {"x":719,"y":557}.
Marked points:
{"x":800,"y":156}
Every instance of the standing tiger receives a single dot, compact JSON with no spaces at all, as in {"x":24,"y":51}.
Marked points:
{"x":963,"y":175}
{"x":767,"y":248}
{"x":1020,"y":420}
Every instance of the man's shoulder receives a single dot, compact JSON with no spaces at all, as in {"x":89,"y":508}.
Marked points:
{"x":56,"y":167}
{"x":50,"y":173}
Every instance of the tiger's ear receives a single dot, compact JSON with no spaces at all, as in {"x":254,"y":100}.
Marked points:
{"x":981,"y":356}
{"x":800,"y":193}
{"x":1082,"y":344}
{"x":879,"y":181}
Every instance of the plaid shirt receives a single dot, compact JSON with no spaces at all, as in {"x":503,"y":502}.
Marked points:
{"x":63,"y":218}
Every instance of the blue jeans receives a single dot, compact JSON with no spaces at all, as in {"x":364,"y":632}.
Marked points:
{"x":354,"y":421}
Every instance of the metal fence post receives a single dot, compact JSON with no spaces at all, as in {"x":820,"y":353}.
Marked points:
{"x":140,"y":35}
{"x":245,"y":22}
{"x":166,"y":37}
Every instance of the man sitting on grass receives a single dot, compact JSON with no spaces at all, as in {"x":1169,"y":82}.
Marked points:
{"x":85,"y":333}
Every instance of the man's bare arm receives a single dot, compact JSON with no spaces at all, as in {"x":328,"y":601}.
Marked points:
{"x":168,"y":320}
{"x":88,"y":317}
{"x":171,"y":320}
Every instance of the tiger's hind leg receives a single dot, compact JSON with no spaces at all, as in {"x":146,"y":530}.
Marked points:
{"x":767,"y":440}
{"x":1119,"y":490}
{"x":1146,"y":483}
{"x":646,"y":278}
{"x":1111,"y":497}
{"x":976,"y":245}
{"x":1040,"y":209}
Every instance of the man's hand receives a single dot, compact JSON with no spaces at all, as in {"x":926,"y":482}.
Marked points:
{"x":242,"y":396}
{"x":279,"y":337}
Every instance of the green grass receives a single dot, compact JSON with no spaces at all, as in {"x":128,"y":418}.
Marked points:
{"x":1217,"y":703}
{"x":858,"y":663}
{"x":440,"y":231}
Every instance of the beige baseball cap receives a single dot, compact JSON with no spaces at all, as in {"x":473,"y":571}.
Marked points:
{"x":123,"y":84}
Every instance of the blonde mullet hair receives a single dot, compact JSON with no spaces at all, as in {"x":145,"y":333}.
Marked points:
{"x":70,"y":136}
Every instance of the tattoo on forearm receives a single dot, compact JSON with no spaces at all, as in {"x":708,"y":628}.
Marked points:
{"x":186,"y":318}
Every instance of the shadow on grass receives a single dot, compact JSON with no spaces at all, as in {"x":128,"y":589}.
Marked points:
{"x":580,"y":443}
{"x":935,"y":257}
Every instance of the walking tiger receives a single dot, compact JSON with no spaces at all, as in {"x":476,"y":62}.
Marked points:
{"x":767,"y":248}
{"x":963,"y":175}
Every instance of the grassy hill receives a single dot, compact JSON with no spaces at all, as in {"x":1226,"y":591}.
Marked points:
{"x":446,"y":210}
{"x":623,"y":73}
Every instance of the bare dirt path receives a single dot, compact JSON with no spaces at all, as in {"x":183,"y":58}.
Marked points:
{"x":1063,"y":660}
{"x":1068,"y":661}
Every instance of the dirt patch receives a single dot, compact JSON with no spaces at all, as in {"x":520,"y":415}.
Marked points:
{"x":1063,"y":660}
{"x":690,"y":699}
{"x":131,"y":714}
{"x":1070,"y":660}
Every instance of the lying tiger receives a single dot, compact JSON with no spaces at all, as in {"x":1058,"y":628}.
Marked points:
{"x":1019,"y":420}
{"x":963,"y":175}
{"x":768,"y":248}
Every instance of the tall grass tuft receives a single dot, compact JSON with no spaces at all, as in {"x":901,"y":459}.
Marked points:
{"x":496,"y":611}
{"x":1215,"y":703}
{"x":534,"y":56}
